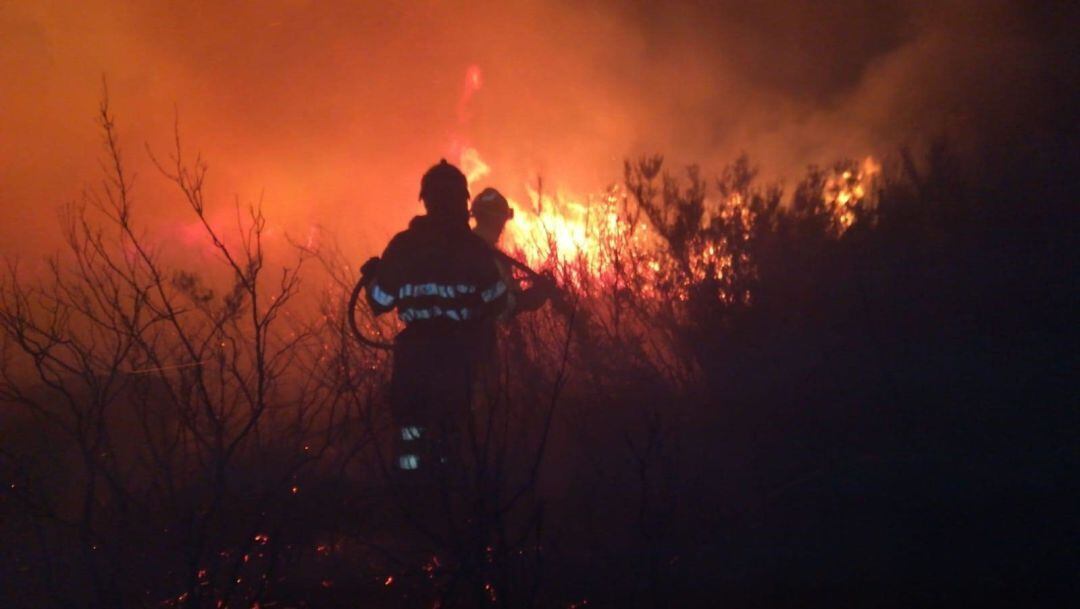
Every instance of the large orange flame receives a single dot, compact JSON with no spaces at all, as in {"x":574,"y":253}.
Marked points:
{"x":582,"y":234}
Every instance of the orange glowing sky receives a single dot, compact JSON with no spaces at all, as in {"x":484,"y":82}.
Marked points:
{"x":330,"y":111}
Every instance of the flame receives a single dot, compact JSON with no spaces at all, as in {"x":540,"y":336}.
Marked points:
{"x":549,"y":226}
{"x":549,"y":229}
{"x":585,"y":235}
{"x":846,"y":193}
{"x":472,"y":165}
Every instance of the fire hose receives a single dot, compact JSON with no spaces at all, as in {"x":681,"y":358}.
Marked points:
{"x":354,"y":298}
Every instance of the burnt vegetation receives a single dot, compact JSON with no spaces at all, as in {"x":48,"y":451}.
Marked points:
{"x":766,"y":404}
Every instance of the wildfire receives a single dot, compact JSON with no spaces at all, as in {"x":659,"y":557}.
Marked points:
{"x":583,"y":234}
{"x":560,"y":228}
{"x":846,"y":192}
{"x":563,"y":228}
{"x":586,"y":235}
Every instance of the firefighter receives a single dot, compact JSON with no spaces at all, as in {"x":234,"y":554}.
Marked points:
{"x":491,"y":211}
{"x":445,"y":285}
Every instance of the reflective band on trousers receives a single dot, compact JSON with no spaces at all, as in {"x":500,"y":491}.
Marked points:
{"x":408,"y":462}
{"x":411,"y":432}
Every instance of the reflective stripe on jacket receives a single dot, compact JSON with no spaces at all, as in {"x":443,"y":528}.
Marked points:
{"x":437,"y":270}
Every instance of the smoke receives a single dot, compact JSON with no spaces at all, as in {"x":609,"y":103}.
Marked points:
{"x":329,"y":114}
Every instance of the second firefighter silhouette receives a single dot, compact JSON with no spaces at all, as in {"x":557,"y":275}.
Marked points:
{"x":446,"y":286}
{"x":492,"y":211}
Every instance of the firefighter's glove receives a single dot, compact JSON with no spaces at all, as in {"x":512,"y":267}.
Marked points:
{"x":367,"y":272}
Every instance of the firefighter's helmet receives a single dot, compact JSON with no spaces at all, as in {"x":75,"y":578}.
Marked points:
{"x":444,"y":186}
{"x":490,"y":203}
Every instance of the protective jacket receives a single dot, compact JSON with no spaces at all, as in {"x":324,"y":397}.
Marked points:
{"x":445,"y":285}
{"x":437,"y":270}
